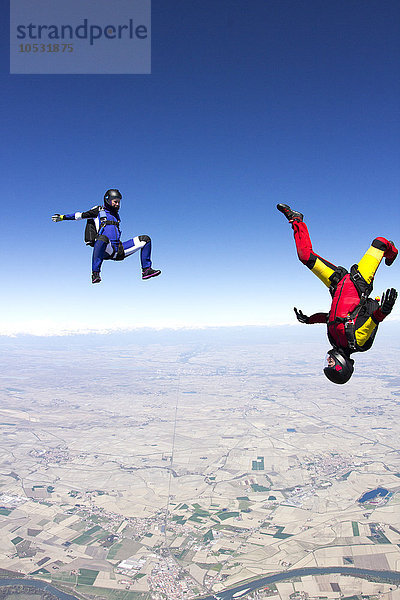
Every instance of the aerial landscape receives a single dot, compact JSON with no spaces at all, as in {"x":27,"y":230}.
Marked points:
{"x":200,"y":323}
{"x":195,"y":468}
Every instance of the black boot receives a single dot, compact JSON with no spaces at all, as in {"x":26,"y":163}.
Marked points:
{"x":291,"y":215}
{"x":96,"y":277}
{"x":149,"y":272}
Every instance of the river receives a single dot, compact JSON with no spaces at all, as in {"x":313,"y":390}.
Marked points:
{"x":258,"y":583}
{"x":249,"y":586}
{"x":40,"y":585}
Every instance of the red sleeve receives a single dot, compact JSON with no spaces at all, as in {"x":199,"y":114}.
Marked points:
{"x":378,"y":316}
{"x":318,"y":318}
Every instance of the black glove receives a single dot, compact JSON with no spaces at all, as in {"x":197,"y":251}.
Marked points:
{"x":57,"y":217}
{"x":300,"y":317}
{"x":388,"y":300}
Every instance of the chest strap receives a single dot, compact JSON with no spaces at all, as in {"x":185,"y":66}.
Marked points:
{"x":104,"y":222}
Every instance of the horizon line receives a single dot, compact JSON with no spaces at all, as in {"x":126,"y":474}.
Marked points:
{"x":50,"y":330}
{"x":82,"y":331}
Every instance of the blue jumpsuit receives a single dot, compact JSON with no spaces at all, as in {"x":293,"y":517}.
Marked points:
{"x":108,"y":245}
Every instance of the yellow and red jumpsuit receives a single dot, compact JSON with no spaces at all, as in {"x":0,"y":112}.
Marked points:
{"x":345,"y":294}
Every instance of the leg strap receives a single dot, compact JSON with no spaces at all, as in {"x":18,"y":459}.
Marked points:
{"x":103,"y":238}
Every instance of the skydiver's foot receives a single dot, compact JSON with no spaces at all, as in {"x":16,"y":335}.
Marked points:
{"x":291,"y":215}
{"x":149,"y":272}
{"x":96,"y":277}
{"x":391,"y":254}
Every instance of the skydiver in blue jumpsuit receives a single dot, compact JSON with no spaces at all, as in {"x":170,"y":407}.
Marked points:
{"x":103,"y":233}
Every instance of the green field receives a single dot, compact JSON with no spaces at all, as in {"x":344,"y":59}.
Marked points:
{"x":112,"y":553}
{"x":63,"y":577}
{"x":87,"y":576}
{"x":227,"y":515}
{"x":379,"y":539}
{"x":196,"y":518}
{"x":181,"y":520}
{"x":208,"y":536}
{"x":89,"y":536}
{"x":201,"y":513}
{"x":42,"y":571}
{"x":259,"y":488}
{"x":210,"y":566}
{"x":17,"y":540}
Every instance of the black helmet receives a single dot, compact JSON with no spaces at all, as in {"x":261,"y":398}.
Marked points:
{"x":110,"y":194}
{"x":337,"y":367}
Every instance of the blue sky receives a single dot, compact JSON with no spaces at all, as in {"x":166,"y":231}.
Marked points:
{"x":250,"y":103}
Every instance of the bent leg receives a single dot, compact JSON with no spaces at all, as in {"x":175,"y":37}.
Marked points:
{"x":322,"y":268}
{"x":371,"y":260}
{"x":102,"y":250}
{"x":142,"y":243}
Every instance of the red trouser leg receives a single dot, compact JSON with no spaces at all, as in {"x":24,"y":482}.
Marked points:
{"x":302,"y":240}
{"x":322,"y":268}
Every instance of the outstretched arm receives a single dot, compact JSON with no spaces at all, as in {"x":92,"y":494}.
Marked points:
{"x":364,"y":332}
{"x":315,"y":318}
{"x":89,"y":214}
{"x":385,"y":308}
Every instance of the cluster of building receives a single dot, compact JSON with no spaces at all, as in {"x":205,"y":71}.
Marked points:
{"x":10,"y":501}
{"x":138,"y":527}
{"x":130,"y":566}
{"x":323,"y":466}
{"x":53,"y":456}
{"x":168,"y":581}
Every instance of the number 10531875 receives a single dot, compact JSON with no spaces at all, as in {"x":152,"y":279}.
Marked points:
{"x":46,"y":48}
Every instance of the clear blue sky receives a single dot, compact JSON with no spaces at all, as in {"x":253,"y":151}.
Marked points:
{"x":250,"y":103}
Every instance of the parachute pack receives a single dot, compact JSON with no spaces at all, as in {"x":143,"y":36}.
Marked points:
{"x":90,"y":232}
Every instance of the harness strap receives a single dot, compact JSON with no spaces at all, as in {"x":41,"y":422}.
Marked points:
{"x":102,"y":238}
{"x":349,"y":330}
{"x":104,"y":223}
{"x":335,"y":278}
{"x":120,"y":252}
{"x":362,"y":287}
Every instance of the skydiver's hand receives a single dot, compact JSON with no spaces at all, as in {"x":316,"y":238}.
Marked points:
{"x":300,"y":316}
{"x":57,"y":217}
{"x":388,"y":299}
